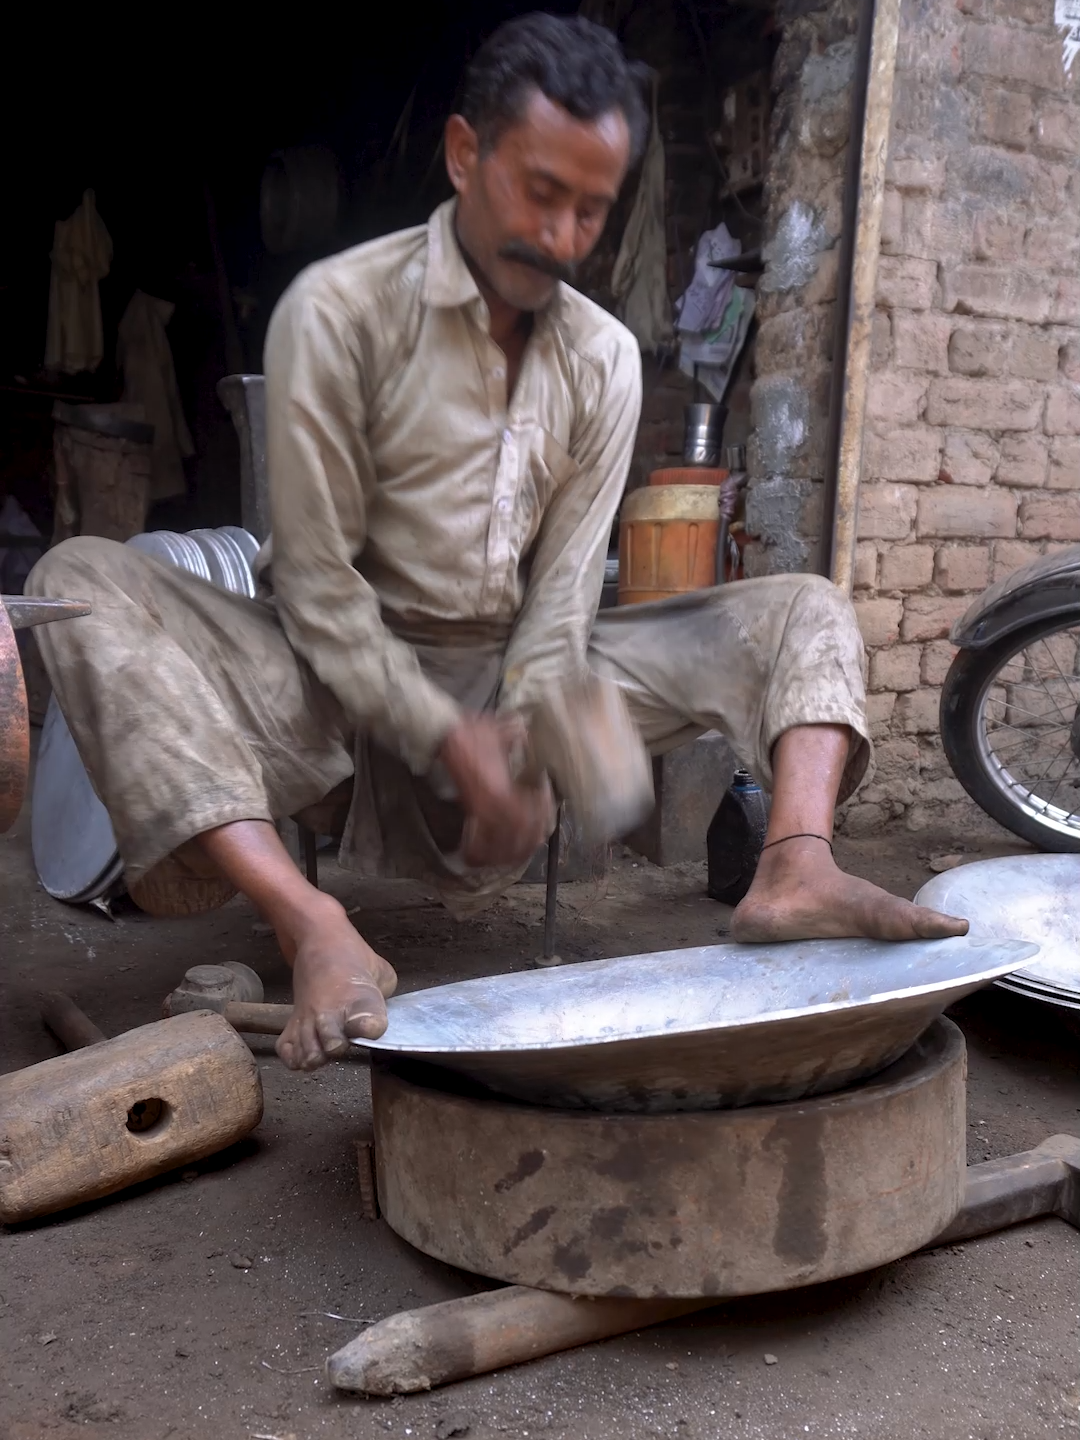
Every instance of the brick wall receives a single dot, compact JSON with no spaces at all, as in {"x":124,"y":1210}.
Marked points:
{"x":972,"y":453}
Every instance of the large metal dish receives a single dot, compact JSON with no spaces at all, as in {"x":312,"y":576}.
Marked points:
{"x":697,"y":1029}
{"x":1036,"y":897}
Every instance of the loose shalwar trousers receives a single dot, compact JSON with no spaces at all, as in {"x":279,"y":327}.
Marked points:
{"x":190,"y":709}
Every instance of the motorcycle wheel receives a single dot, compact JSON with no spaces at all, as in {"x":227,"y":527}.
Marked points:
{"x":1010,"y":728}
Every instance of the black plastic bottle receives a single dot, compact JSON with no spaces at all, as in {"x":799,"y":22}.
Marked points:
{"x":735,"y":838}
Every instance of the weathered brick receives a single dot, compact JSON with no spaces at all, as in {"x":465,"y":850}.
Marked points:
{"x":936,"y":659}
{"x":921,"y":168}
{"x":932,"y":228}
{"x":892,"y":222}
{"x":862,"y":818}
{"x":917,"y":712}
{"x":984,"y":404}
{"x":879,"y":620}
{"x":959,"y":569}
{"x":894,"y":399}
{"x":1007,"y":117}
{"x":970,"y":458}
{"x":866,"y":558}
{"x":896,"y":667}
{"x":1055,"y":248}
{"x":1009,"y":555}
{"x":978,"y":349}
{"x":881,"y":340}
{"x":1050,"y":517}
{"x":907,"y":567}
{"x":1069,"y":360}
{"x":895,"y":759}
{"x":1002,"y":293}
{"x":879,"y":711}
{"x":930,"y":617}
{"x":1065,"y":305}
{"x":906,"y":283}
{"x":1063,"y":411}
{"x":921,"y":341}
{"x":1059,"y":126}
{"x":1023,"y":461}
{"x":996,"y":237}
{"x":1033,"y":354}
{"x":1064,"y":463}
{"x":912,"y":455}
{"x":954,"y":513}
{"x":886,"y":512}
{"x":1007,"y":53}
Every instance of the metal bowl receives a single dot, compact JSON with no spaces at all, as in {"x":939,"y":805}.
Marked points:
{"x":697,"y":1029}
{"x":1036,"y":897}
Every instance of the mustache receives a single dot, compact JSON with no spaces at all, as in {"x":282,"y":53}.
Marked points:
{"x":527,"y":255}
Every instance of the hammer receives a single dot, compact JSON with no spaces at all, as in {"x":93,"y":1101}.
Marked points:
{"x":232,"y":990}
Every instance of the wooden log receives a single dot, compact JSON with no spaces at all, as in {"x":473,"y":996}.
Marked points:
{"x":84,"y":1125}
{"x":420,"y":1349}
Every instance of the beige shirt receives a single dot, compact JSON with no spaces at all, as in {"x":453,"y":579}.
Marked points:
{"x":412,"y":500}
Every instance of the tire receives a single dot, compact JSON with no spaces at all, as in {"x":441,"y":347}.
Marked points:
{"x":964,"y":739}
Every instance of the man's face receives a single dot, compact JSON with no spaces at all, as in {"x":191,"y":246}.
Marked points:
{"x":543,"y":193}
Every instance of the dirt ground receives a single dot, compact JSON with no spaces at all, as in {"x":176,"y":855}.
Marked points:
{"x":129,"y":1319}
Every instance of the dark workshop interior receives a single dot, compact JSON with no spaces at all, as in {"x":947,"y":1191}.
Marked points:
{"x":175,"y":148}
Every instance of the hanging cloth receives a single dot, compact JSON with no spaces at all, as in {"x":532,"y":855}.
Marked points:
{"x":145,"y":357}
{"x":81,"y":256}
{"x":639,"y":276}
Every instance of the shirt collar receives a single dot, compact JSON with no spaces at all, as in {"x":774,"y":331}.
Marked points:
{"x":447,"y":281}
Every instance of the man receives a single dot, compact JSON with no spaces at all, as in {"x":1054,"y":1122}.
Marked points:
{"x":450,"y":426}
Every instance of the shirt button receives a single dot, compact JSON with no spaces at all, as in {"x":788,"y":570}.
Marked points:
{"x":504,"y":505}
{"x":507,"y":437}
{"x":498,"y":372}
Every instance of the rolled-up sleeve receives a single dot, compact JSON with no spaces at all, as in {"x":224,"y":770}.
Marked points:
{"x":322,"y":482}
{"x":566,"y":573}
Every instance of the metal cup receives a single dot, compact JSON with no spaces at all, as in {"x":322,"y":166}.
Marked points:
{"x":701,"y":438}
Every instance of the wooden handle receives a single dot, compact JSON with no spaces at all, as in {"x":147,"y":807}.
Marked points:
{"x":420,"y":1349}
{"x":257,"y":1019}
{"x":62,"y":1016}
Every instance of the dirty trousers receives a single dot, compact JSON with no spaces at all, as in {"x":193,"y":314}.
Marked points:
{"x":190,"y":709}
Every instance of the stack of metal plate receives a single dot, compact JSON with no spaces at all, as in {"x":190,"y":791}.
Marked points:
{"x":71,"y":835}
{"x":1033,"y":897}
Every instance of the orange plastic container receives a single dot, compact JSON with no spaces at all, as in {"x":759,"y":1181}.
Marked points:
{"x":667,"y":541}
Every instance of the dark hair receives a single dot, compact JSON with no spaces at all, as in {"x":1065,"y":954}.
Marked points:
{"x":571,"y":60}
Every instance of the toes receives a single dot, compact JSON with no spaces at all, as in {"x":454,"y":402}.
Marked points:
{"x":932,"y":925}
{"x":366,"y":1016}
{"x":387,"y":983}
{"x":330,"y":1028}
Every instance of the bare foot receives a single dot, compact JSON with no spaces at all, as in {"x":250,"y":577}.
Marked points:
{"x":340,"y":987}
{"x":800,"y":893}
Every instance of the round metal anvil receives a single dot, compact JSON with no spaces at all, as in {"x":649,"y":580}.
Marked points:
{"x":723,"y":1202}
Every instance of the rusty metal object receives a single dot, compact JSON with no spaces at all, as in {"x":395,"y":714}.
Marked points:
{"x":365,"y":1173}
{"x":26,"y":610}
{"x":14,"y":726}
{"x":722,"y":1203}
{"x":695,"y":1029}
{"x":1017,"y":1188}
{"x":864,"y":198}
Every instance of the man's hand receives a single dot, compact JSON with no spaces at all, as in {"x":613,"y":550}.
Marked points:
{"x":505,"y":819}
